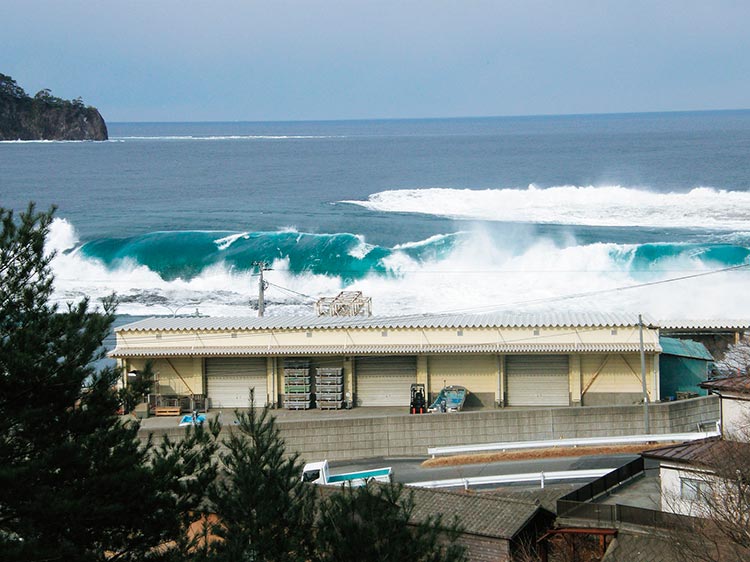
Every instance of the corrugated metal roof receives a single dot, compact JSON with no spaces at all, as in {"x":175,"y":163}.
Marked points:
{"x":496,"y":320}
{"x":685,"y":348}
{"x":706,"y":324}
{"x":266,"y":350}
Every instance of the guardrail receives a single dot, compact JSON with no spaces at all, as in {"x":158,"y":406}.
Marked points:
{"x":513,"y":478}
{"x":578,"y":442}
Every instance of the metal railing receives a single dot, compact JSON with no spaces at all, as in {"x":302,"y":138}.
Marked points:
{"x":604,"y":483}
{"x":577,"y":504}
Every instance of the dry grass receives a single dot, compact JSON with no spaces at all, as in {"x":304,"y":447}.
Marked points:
{"x":548,"y":453}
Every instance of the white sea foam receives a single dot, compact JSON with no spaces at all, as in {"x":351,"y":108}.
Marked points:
{"x":227,"y":241}
{"x":701,"y":207}
{"x":361,"y":249}
{"x":423,"y":243}
{"x":224,"y":137}
{"x":484,"y":272}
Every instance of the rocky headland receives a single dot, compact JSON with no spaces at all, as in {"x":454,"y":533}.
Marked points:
{"x":46,"y":117}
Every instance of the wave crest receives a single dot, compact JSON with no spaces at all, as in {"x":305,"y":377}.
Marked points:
{"x":614,"y":206}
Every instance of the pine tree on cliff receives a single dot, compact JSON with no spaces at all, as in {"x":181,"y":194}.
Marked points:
{"x":76,"y":483}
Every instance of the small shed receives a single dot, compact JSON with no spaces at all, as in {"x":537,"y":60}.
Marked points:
{"x":683,"y":365}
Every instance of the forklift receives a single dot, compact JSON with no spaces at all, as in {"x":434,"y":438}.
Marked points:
{"x":418,"y":399}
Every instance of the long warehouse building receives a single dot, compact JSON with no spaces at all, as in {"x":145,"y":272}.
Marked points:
{"x":504,"y":359}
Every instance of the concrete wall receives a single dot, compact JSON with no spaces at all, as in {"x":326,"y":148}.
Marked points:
{"x":351,"y":438}
{"x":406,"y":435}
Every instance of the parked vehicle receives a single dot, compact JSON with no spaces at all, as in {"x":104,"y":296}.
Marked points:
{"x":450,"y":399}
{"x":318,"y":473}
{"x":418,"y":403}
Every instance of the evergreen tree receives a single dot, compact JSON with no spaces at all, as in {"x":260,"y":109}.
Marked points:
{"x":76,"y":483}
{"x":265,"y":511}
{"x":375,"y":523}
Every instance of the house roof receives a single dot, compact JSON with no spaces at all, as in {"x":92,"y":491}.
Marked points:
{"x":451,"y":321}
{"x":739,"y":384}
{"x":708,"y":453}
{"x":715,"y":324}
{"x":684,"y":348}
{"x":478,"y":514}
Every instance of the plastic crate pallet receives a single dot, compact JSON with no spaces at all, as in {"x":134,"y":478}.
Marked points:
{"x":330,"y":404}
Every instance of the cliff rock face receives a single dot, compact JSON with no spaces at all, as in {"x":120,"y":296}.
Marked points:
{"x":45,"y":117}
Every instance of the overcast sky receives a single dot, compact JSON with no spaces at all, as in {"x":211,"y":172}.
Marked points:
{"x":227,"y":60}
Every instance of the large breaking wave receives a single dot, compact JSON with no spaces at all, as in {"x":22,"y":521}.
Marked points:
{"x":474,"y":270}
{"x":701,"y":207}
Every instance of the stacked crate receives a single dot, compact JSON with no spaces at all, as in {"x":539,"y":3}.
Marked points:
{"x":329,"y":388}
{"x":297,"y":387}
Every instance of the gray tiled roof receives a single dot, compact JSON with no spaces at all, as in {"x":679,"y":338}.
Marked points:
{"x":709,"y":453}
{"x":452,"y":321}
{"x":478,"y":513}
{"x":739,"y":384}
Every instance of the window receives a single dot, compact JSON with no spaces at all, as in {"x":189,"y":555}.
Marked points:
{"x":692,"y":489}
{"x":311,"y":476}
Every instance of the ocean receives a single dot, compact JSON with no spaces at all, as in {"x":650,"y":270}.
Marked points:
{"x":633,"y":212}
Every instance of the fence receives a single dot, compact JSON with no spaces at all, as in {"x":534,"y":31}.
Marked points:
{"x":576,"y":504}
{"x":603,"y":483}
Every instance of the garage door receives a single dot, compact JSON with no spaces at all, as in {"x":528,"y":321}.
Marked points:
{"x":537,"y":380}
{"x":229,"y":381}
{"x":385,"y":381}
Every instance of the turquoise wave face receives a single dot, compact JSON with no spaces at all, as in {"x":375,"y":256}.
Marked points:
{"x":185,"y":255}
{"x":648,"y":257}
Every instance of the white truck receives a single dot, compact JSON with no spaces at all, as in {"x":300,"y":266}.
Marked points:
{"x":318,"y":473}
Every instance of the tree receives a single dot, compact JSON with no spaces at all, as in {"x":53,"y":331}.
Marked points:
{"x":736,"y":360}
{"x":265,"y":511}
{"x":138,"y":388}
{"x":76,"y":482}
{"x":375,"y":523}
{"x":10,"y":87}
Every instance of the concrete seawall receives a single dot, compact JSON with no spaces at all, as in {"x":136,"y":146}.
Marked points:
{"x":347,"y":438}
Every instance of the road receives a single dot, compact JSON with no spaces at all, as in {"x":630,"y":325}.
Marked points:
{"x":409,"y":470}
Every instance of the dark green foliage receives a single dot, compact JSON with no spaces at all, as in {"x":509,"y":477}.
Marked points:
{"x":46,"y":116}
{"x":266,"y":511}
{"x":138,"y":387}
{"x":9,"y":87}
{"x":371,"y":524}
{"x":76,"y":483}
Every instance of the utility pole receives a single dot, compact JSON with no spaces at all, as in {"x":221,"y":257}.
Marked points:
{"x":643,"y":376}
{"x":262,"y":285}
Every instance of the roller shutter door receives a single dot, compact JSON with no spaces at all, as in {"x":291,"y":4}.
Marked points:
{"x":229,"y":380}
{"x":385,"y":381}
{"x":537,"y":380}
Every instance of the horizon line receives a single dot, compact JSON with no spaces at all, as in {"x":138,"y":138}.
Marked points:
{"x":466,"y":117}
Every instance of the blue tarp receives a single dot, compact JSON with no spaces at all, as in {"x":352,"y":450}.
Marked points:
{"x":684,"y":348}
{"x":683,"y":365}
